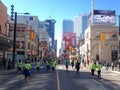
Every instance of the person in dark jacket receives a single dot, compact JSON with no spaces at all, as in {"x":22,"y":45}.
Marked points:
{"x":72,"y":63}
{"x":77,"y":65}
{"x":9,"y":64}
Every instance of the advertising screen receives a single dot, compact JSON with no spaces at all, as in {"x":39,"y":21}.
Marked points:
{"x":104,"y":17}
{"x":69,"y":39}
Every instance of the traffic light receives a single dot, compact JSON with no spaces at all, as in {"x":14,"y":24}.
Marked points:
{"x":11,"y":49}
{"x":32,"y":35}
{"x":12,"y":12}
{"x":102,"y":37}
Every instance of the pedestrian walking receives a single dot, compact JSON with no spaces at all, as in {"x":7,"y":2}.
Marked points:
{"x":112,"y":66}
{"x":92,"y":67}
{"x":9,"y":66}
{"x":4,"y":62}
{"x":66,"y":63}
{"x":19,"y":65}
{"x":27,"y":67}
{"x":99,"y":67}
{"x":119,"y":64}
{"x":107,"y":66}
{"x":72,"y":64}
{"x":48,"y":64}
{"x":53,"y":64}
{"x":77,"y":65}
{"x":38,"y":65}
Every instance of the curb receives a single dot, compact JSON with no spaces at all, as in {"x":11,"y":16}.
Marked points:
{"x":115,"y":71}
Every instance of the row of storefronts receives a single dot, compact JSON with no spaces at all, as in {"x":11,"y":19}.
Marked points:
{"x":32,"y":39}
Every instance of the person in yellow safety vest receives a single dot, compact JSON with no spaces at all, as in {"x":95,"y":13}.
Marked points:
{"x":27,"y":67}
{"x":92,"y":67}
{"x":99,"y":67}
{"x":38,"y":65}
{"x":53,"y":64}
{"x":19,"y":65}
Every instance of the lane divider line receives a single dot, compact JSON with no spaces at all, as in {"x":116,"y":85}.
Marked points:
{"x":58,"y":81}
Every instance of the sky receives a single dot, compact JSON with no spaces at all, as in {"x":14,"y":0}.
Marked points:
{"x":60,"y":9}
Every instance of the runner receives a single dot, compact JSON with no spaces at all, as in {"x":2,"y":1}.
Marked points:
{"x":38,"y":65}
{"x":19,"y":66}
{"x":27,"y":67}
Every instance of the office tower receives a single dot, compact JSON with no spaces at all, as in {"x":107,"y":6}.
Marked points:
{"x":50,"y":26}
{"x":80,"y":24}
{"x":67,"y":25}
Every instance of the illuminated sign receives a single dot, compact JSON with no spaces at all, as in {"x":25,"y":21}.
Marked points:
{"x":104,"y":17}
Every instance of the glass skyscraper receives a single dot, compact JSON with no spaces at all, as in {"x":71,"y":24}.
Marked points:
{"x":50,"y":26}
{"x":67,"y":25}
{"x":80,"y":24}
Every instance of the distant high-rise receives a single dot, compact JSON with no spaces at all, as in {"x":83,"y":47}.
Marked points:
{"x":67,"y":25}
{"x":80,"y":24}
{"x":50,"y":26}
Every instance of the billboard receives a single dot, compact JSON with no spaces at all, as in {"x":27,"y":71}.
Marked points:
{"x":69,"y":39}
{"x":104,"y":17}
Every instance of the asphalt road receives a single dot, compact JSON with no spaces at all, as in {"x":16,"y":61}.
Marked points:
{"x":60,"y":80}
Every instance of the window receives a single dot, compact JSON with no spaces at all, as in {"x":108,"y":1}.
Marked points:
{"x":98,"y":33}
{"x":114,"y":36}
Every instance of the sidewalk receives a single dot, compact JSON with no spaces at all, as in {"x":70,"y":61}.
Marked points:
{"x":116,"y":70}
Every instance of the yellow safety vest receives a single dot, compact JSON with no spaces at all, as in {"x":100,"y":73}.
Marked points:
{"x":27,"y":66}
{"x":38,"y":64}
{"x":92,"y":66}
{"x":53,"y":63}
{"x":19,"y":64}
{"x":99,"y":67}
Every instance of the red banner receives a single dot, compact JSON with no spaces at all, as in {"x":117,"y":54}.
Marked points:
{"x":69,"y":39}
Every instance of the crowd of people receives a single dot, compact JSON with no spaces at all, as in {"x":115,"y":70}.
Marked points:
{"x":25,"y":66}
{"x":76,"y":64}
{"x":50,"y":64}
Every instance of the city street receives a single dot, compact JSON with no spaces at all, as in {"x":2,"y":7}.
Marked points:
{"x":60,"y":80}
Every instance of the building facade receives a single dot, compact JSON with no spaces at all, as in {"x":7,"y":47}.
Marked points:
{"x":26,"y":47}
{"x":67,"y":25}
{"x":50,"y":26}
{"x":101,"y":43}
{"x":5,"y":42}
{"x":80,"y":24}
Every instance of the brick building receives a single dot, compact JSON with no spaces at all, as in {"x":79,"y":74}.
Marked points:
{"x":5,"y":42}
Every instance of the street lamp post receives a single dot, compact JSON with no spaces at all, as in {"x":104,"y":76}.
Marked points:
{"x":14,"y":39}
{"x":119,"y":38}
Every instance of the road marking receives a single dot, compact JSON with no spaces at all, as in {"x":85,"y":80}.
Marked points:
{"x":58,"y":81}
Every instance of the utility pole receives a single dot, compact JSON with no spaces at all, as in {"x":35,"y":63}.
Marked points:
{"x":14,"y":18}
